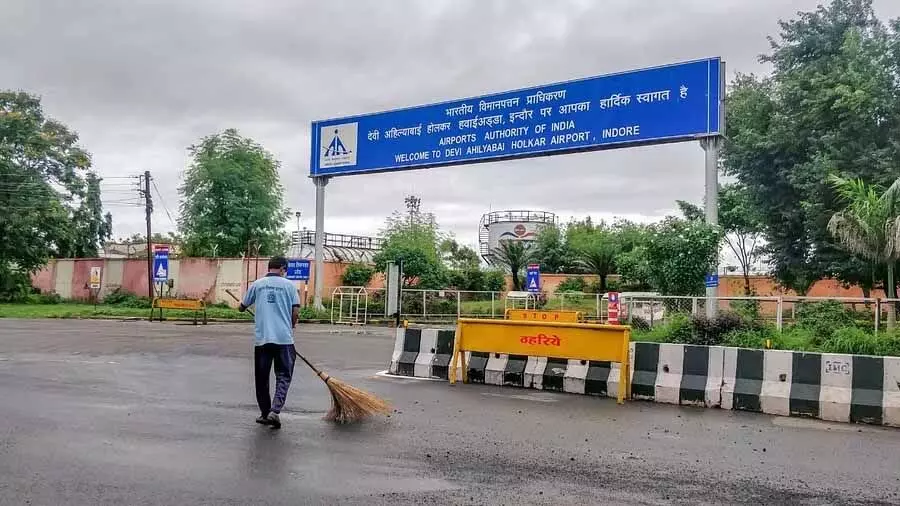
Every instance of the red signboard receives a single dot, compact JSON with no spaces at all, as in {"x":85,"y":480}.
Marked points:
{"x":612,"y":307}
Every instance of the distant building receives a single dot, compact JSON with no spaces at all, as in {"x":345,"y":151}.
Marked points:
{"x":127,"y":249}
{"x":500,"y":226}
{"x":338,"y":247}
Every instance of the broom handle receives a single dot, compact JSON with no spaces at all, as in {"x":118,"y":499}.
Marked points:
{"x":301,"y":357}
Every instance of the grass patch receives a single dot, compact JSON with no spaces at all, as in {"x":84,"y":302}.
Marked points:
{"x":78,"y":310}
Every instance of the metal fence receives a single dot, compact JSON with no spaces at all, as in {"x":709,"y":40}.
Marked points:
{"x":645,"y":312}
{"x":641,"y":312}
{"x":448,"y":305}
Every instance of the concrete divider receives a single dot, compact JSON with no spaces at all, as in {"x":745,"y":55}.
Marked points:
{"x":678,"y":373}
{"x":422,"y":353}
{"x":834,"y":387}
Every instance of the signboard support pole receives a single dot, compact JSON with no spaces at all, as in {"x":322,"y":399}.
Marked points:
{"x":319,"y":257}
{"x":711,"y":146}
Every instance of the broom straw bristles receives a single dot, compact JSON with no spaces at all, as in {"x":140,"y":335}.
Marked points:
{"x":350,"y":404}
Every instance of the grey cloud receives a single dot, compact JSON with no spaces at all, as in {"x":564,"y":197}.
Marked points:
{"x":142,"y":80}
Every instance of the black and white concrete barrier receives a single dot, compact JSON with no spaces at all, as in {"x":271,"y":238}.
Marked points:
{"x":840,"y":388}
{"x":422,"y":353}
{"x":834,"y":387}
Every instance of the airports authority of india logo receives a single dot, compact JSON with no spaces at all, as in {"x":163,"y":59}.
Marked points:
{"x":338,"y":147}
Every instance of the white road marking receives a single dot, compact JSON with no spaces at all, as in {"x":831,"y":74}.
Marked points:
{"x":386,"y":374}
{"x":56,"y":360}
{"x":521,"y":397}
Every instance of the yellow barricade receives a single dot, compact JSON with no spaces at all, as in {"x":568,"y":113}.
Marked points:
{"x":535,"y":315}
{"x":194,"y":305}
{"x":577,"y":341}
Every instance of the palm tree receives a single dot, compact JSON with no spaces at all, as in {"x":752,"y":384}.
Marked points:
{"x":595,"y":248}
{"x":514,"y":255}
{"x":869,"y":226}
{"x":598,"y":254}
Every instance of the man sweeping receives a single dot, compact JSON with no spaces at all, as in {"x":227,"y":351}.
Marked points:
{"x":277,"y":309}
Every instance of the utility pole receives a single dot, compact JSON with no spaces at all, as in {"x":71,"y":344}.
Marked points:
{"x":148,"y":207}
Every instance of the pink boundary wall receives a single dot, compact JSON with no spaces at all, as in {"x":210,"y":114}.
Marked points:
{"x":194,"y":277}
{"x":198,"y":277}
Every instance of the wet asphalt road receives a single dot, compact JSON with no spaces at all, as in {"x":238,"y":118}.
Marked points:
{"x":129,"y":413}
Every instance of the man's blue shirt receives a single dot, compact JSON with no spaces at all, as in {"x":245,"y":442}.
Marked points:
{"x":274,"y":297}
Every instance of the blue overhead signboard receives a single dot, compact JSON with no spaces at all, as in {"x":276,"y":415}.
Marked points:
{"x":671,"y":103}
{"x":298,"y":270}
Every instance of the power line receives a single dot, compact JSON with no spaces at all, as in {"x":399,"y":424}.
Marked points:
{"x":163,"y":202}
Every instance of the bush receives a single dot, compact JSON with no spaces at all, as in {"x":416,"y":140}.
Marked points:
{"x":677,"y":330}
{"x":850,"y":340}
{"x":712,"y":331}
{"x":125,"y":299}
{"x":853,"y":340}
{"x":748,"y":309}
{"x":749,"y":337}
{"x":572,"y":285}
{"x":685,"y":329}
{"x":15,"y":285}
{"x":309,"y":313}
{"x":47,"y":298}
{"x":823,"y":318}
{"x":357,"y":274}
{"x":494,"y":281}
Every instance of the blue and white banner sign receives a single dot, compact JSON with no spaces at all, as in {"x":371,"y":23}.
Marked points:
{"x":298,"y":269}
{"x":671,"y":103}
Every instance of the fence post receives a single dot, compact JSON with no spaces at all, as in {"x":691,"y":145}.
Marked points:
{"x":424,"y":314}
{"x":695,"y":306}
{"x":630,"y":312}
{"x":877,"y":314}
{"x":458,"y":304}
{"x":599,"y":318}
{"x":492,"y":304}
{"x":779,"y":313}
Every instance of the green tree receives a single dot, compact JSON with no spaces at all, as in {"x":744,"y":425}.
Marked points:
{"x":90,"y":226}
{"x":869,"y":226}
{"x":551,"y":249}
{"x":357,"y":274}
{"x":740,"y":223}
{"x":458,"y":256}
{"x":595,"y":248}
{"x":631,"y":261}
{"x":833,"y":100}
{"x":49,"y":199}
{"x":232,"y":199}
{"x":514,"y":256}
{"x":413,"y":239}
{"x":680,"y":253}
{"x":494,"y":280}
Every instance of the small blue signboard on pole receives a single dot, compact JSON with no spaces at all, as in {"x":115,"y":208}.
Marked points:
{"x":160,"y":264}
{"x":298,"y":270}
{"x":533,"y":278}
{"x":712,"y":281}
{"x":671,"y":103}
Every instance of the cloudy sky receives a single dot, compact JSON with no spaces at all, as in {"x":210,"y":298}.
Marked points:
{"x":141,"y":80}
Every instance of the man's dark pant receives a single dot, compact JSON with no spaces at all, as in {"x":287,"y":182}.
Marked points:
{"x":283,"y":357}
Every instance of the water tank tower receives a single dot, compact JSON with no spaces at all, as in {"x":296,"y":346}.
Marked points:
{"x":499,"y":226}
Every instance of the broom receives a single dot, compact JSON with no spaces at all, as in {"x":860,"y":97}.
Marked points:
{"x":348,"y":403}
